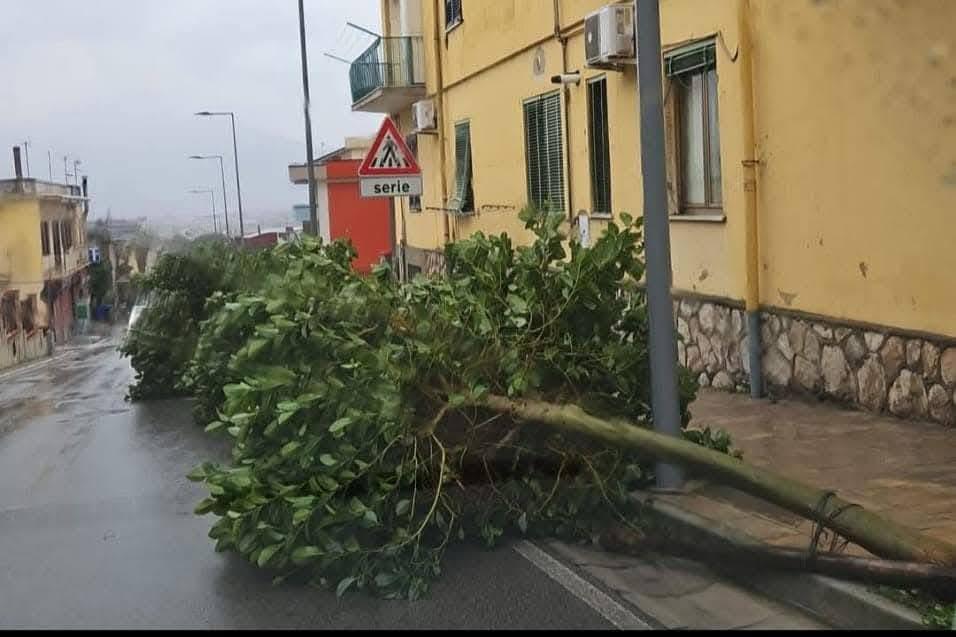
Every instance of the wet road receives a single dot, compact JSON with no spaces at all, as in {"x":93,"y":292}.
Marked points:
{"x":97,"y":530}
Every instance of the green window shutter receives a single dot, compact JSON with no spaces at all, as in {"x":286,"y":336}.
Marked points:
{"x":544,"y":151}
{"x":599,"y":147}
{"x":690,"y":58}
{"x":464,"y":197}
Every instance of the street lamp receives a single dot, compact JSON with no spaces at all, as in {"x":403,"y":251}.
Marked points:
{"x":310,"y":168}
{"x":235,"y":153}
{"x":222,"y":174}
{"x":212,"y":198}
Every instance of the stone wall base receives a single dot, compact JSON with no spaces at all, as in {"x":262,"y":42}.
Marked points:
{"x":876,"y":369}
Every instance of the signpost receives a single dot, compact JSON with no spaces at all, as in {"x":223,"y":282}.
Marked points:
{"x":390,"y":169}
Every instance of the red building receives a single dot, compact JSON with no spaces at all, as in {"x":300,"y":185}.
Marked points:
{"x":342,"y":211}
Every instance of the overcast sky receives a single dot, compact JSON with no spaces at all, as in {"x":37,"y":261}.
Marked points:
{"x":115,"y":84}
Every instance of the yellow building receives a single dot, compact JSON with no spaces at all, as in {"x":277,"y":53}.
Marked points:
{"x":811,"y":159}
{"x":43,"y":259}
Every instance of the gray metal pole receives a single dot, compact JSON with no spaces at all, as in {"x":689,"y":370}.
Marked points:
{"x":663,"y":346}
{"x":313,"y":214}
{"x":225,"y":202}
{"x":235,"y":153}
{"x":215,"y":221}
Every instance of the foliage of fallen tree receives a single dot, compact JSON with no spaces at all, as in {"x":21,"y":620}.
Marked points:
{"x":362,"y":448}
{"x":163,"y":341}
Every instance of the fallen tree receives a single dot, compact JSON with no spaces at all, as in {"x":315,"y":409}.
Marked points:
{"x":375,"y":423}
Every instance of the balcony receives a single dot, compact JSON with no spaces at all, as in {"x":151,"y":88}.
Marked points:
{"x":389,"y":76}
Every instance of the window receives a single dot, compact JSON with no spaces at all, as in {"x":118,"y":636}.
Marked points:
{"x":453,"y":15}
{"x":45,"y":237}
{"x":28,"y":314}
{"x":543,"y":151}
{"x":8,"y":312}
{"x":67,"y":229}
{"x":599,"y":147}
{"x":464,"y":197}
{"x":415,"y":201}
{"x":57,"y":243}
{"x":693,"y":127}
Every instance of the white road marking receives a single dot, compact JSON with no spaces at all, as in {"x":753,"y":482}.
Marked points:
{"x":601,"y":602}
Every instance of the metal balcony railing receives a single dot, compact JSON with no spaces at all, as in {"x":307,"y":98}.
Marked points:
{"x":394,"y":62}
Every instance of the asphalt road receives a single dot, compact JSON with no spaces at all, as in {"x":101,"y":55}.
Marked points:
{"x":97,"y":529}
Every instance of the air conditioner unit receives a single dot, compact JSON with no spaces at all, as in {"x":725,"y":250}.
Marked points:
{"x":423,"y":116}
{"x":609,"y":36}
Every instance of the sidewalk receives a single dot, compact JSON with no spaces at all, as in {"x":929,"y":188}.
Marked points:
{"x":902,"y":469}
{"x":679,"y":594}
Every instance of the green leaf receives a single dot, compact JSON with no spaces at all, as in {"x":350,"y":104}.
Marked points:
{"x":383,"y":580}
{"x":305,"y":554}
{"x":301,"y":515}
{"x":328,"y":460}
{"x":370,"y":517}
{"x":357,"y":507}
{"x":327,"y":483}
{"x":236,"y":391}
{"x":207,"y":505}
{"x":402,"y":507}
{"x":197,"y":475}
{"x":267,"y":554}
{"x":523,"y":522}
{"x":340,"y":424}
{"x":216,"y":425}
{"x":289,"y":448}
{"x":344,"y":585}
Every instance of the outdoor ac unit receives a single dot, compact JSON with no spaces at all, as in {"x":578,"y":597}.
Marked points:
{"x":423,"y":115}
{"x":609,"y":36}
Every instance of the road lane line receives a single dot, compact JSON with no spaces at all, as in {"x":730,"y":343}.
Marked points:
{"x":602,"y":603}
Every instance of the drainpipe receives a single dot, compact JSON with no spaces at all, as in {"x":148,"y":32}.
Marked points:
{"x":440,"y":96}
{"x":567,"y":107}
{"x":752,"y":247}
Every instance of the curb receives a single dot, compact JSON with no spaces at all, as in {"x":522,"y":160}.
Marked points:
{"x":841,"y":604}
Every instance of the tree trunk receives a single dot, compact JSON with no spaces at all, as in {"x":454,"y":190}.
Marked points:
{"x":731,"y":549}
{"x":880,"y":536}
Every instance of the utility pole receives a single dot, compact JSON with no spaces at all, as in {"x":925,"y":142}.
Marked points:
{"x":66,"y":171}
{"x":49,"y":159}
{"x":663,"y":346}
{"x":313,"y":215}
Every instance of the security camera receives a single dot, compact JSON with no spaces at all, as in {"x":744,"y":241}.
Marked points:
{"x":567,"y":78}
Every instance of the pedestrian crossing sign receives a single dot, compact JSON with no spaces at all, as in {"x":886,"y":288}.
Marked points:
{"x":390,"y":168}
{"x":389,"y":155}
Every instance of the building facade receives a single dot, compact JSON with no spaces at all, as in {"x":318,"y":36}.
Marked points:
{"x":341,"y":211}
{"x":43,"y":257}
{"x":811,"y":161}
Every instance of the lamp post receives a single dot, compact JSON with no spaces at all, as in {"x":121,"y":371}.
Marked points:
{"x":222,"y":174}
{"x":235,"y":153}
{"x":212,"y":198}
{"x":662,"y":341}
{"x":313,"y":216}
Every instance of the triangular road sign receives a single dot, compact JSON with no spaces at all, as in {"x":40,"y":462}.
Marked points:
{"x":389,"y":155}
